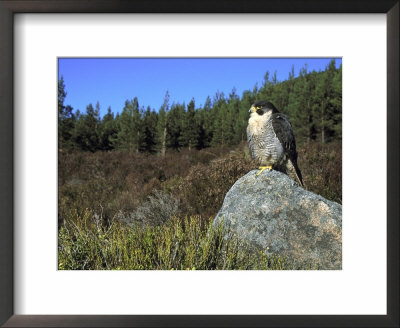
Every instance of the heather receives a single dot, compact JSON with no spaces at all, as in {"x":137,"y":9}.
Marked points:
{"x":120,"y":210}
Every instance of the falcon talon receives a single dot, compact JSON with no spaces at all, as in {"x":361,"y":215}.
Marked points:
{"x":263,"y":168}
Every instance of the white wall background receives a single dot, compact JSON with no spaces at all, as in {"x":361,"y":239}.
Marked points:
{"x":360,"y":288}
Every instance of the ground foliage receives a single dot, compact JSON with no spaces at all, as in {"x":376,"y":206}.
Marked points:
{"x":181,"y":244}
{"x":110,"y":202}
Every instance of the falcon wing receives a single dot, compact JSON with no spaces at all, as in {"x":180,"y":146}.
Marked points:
{"x":284,"y":132}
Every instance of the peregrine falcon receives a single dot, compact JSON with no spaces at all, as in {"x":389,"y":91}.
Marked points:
{"x":271,"y":140}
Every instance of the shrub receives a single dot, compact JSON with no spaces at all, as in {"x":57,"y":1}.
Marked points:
{"x":120,"y":181}
{"x":158,"y":209}
{"x":203,"y":189}
{"x":321,"y":166}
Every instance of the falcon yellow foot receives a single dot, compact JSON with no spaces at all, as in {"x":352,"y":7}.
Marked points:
{"x":263,"y":168}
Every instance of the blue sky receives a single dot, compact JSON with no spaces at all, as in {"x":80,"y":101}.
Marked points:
{"x":111,"y":81}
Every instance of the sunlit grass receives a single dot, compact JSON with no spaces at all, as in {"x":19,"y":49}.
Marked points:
{"x":181,"y":244}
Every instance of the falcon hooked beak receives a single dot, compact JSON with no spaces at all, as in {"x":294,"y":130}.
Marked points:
{"x":252,"y":109}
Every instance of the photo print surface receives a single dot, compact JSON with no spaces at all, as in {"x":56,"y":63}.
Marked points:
{"x":199,"y":163}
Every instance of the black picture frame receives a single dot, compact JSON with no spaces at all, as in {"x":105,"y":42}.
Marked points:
{"x":7,"y":10}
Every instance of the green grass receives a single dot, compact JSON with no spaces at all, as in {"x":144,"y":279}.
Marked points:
{"x":181,"y":244}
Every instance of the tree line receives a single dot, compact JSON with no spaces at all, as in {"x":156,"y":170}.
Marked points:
{"x":313,"y":102}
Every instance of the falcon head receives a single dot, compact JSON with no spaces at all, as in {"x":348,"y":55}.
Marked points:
{"x":262,"y":107}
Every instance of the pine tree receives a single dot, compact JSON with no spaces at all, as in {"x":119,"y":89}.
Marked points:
{"x":109,"y":130}
{"x":175,"y":128}
{"x":66,"y":119}
{"x":266,"y":91}
{"x":190,"y":133}
{"x":274,"y":80}
{"x":243,"y":116}
{"x":149,"y":131}
{"x":160,"y":129}
{"x":208,"y":122}
{"x":164,"y":108}
{"x":232,"y":135}
{"x":337,"y":104}
{"x":266,"y":81}
{"x":300,"y":108}
{"x":328,"y":103}
{"x":130,"y":127}
{"x":61,"y":96}
{"x":287,"y":90}
{"x":201,"y":138}
{"x":86,"y":133}
{"x":218,"y":113}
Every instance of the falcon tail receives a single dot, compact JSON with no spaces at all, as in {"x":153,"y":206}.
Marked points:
{"x":296,"y":171}
{"x":298,"y":174}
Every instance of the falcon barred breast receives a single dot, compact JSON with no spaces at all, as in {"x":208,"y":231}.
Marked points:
{"x":271,"y":140}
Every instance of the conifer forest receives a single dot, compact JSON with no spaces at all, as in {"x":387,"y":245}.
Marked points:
{"x":312,"y":101}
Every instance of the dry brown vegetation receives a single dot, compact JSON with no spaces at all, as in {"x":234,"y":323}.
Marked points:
{"x":113,"y":182}
{"x":117,"y":184}
{"x":137,"y":211}
{"x":321,"y":166}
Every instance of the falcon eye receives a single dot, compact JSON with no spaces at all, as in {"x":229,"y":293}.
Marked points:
{"x":260,"y":111}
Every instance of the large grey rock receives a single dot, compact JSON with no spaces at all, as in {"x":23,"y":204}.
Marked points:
{"x":272,"y":212}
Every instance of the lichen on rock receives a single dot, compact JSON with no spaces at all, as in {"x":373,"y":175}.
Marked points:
{"x":273,"y":213}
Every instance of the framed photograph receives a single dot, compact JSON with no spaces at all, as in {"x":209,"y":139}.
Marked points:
{"x":136,"y":169}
